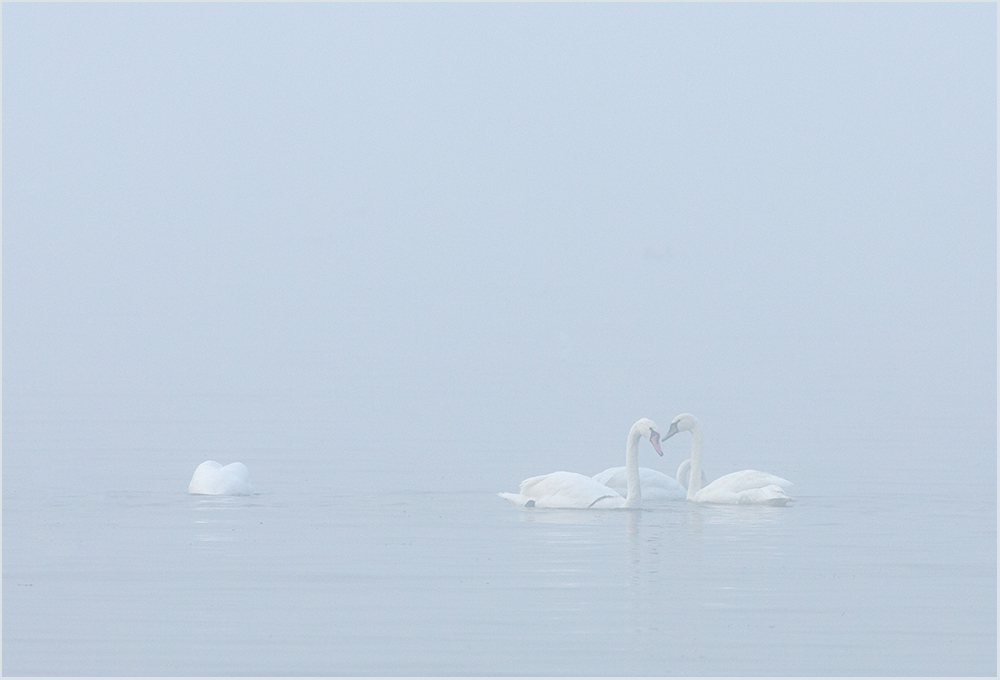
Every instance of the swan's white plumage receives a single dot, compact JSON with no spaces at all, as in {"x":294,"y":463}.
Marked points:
{"x":747,"y":487}
{"x":573,"y":490}
{"x":656,"y":486}
{"x":213,"y":479}
{"x":564,"y":490}
{"x":684,"y":474}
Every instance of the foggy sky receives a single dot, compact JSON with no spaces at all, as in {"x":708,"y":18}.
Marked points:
{"x":506,"y":223}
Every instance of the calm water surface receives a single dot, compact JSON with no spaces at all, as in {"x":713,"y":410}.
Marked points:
{"x":330,"y":571}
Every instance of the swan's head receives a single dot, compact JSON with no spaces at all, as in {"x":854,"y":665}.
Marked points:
{"x":648,"y":429}
{"x":682,"y":423}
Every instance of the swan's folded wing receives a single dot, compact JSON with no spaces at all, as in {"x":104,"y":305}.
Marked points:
{"x":649,"y":479}
{"x":746,"y":480}
{"x":656,"y":487}
{"x":212,"y":479}
{"x":613,"y":477}
{"x":565,"y":490}
{"x":654,"y":479}
{"x":538,"y":482}
{"x":767,"y":495}
{"x":236,"y":478}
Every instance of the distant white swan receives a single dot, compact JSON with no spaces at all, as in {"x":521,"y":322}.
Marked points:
{"x":744,"y":487}
{"x":684,"y":474}
{"x":656,"y":486}
{"x":212,"y":479}
{"x":573,"y":490}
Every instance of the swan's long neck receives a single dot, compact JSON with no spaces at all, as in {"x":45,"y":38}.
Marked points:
{"x":694,"y":480}
{"x":633,"y":497}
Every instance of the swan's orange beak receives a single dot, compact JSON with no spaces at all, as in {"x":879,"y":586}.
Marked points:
{"x":655,"y":441}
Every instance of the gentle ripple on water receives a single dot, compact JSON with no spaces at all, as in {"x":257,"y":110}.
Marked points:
{"x":414,"y":583}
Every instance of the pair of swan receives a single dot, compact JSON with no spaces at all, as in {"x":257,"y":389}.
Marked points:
{"x":604,"y":490}
{"x":656,"y":486}
{"x":212,"y":479}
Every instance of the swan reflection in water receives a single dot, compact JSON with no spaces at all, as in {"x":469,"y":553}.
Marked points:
{"x":687,"y":518}
{"x":218,"y":518}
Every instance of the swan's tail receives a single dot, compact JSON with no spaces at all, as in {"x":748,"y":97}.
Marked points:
{"x":514,"y":498}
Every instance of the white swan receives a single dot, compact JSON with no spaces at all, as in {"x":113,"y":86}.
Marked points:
{"x":744,"y":487}
{"x":212,"y":479}
{"x":573,"y":490}
{"x":684,"y":474}
{"x":656,"y":486}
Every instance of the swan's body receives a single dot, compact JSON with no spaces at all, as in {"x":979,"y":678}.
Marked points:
{"x":565,"y":490}
{"x":744,"y":487}
{"x":656,"y":486}
{"x":573,"y":490}
{"x":212,"y":479}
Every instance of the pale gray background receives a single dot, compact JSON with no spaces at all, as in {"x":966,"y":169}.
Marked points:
{"x":373,"y":250}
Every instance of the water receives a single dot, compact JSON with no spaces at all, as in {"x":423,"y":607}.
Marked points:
{"x":351,"y":562}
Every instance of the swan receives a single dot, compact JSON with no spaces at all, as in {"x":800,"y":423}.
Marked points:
{"x":656,"y":486}
{"x":573,"y":490}
{"x":212,"y":479}
{"x":744,"y":487}
{"x":684,"y":474}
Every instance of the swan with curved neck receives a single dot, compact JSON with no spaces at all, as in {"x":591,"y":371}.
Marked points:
{"x":657,"y":488}
{"x":744,"y":487}
{"x":684,"y":475}
{"x":573,"y":490}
